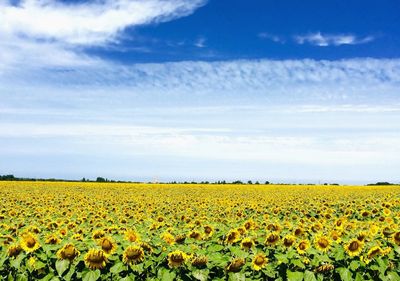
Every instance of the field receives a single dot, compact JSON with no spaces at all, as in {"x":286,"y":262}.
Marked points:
{"x":104,"y":231}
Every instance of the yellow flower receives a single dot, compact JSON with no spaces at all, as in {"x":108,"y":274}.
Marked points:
{"x":168,"y":238}
{"x":272,"y":238}
{"x":176,"y":258}
{"x":303,"y":246}
{"x":289,"y":240}
{"x":199,"y":261}
{"x":52,"y":239}
{"x":247,"y":243}
{"x":107,"y":244}
{"x":236,"y":265}
{"x":29,"y":242}
{"x":95,"y":259}
{"x":68,"y":252}
{"x":259,"y":262}
{"x":354,"y":247}
{"x":133,"y":255}
{"x":232,"y":236}
{"x":322,"y":243}
{"x":14,"y":250}
{"x":132,"y":236}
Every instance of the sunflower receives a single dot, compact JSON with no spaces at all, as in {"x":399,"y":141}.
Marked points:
{"x":289,"y":240}
{"x":107,"y":244}
{"x":14,"y":250}
{"x":195,"y":235}
{"x":322,"y":243}
{"x":354,"y":247}
{"x":362,"y":236}
{"x":374,"y":251}
{"x":236,"y":265}
{"x":29,"y":242}
{"x":247,"y":243}
{"x":68,"y":252}
{"x":97,"y":234}
{"x":132,"y":236}
{"x":52,"y":239}
{"x":176,"y":258}
{"x":259,"y":262}
{"x":272,"y":238}
{"x":232,"y":236}
{"x":146,"y":247}
{"x":208,"y":230}
{"x":95,"y":259}
{"x":303,"y":246}
{"x":133,"y":255}
{"x":336,"y":236}
{"x":168,"y":238}
{"x":199,"y":261}
{"x":396,"y":238}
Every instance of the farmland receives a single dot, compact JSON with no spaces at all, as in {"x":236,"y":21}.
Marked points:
{"x":115,"y":231}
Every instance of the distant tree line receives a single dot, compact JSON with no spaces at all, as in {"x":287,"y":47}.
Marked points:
{"x":102,"y":179}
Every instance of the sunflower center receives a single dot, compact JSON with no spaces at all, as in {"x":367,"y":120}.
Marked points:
{"x":133,"y":255}
{"x":354,"y":246}
{"x":96,"y":259}
{"x":177,"y":258}
{"x":302,"y":246}
{"x":323,"y":243}
{"x":106,"y":245}
{"x":259,"y":260}
{"x":30,"y":242}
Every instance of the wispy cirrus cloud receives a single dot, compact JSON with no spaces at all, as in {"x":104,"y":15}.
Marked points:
{"x":325,"y":40}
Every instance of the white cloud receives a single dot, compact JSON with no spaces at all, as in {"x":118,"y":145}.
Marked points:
{"x":272,"y":37}
{"x":85,"y":23}
{"x":200,"y":42}
{"x":324,"y":40}
{"x":54,"y":33}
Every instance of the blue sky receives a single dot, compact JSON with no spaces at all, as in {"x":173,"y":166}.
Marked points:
{"x":285,"y":91}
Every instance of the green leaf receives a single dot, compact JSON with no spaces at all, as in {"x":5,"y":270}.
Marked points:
{"x":201,"y":275}
{"x":22,"y":277}
{"x":345,"y":274}
{"x":298,"y":263}
{"x":339,"y":254}
{"x":166,"y":275}
{"x":61,"y":266}
{"x":294,"y":275}
{"x":359,"y":277}
{"x":309,"y":276}
{"x":393,"y":276}
{"x":236,"y":276}
{"x":354,"y":265}
{"x":91,"y":275}
{"x":215,"y":248}
{"x":47,"y":277}
{"x":117,"y":268}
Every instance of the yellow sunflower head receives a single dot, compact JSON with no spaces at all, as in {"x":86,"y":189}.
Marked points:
{"x":396,"y":238}
{"x":199,"y":261}
{"x":176,"y":258}
{"x":259,"y":262}
{"x":232,"y":236}
{"x":68,"y":252}
{"x":195,"y":235}
{"x":168,"y":238}
{"x":322,"y":243}
{"x":303,"y":246}
{"x":95,"y":259}
{"x":132,"y":236}
{"x":289,"y":240}
{"x":14,"y":250}
{"x":236,"y":265}
{"x":247,"y":243}
{"x":29,"y":242}
{"x":272,"y":238}
{"x":107,"y":244}
{"x":208,"y":230}
{"x":52,"y":239}
{"x":133,"y":255}
{"x":354,"y":247}
{"x":97,"y":234}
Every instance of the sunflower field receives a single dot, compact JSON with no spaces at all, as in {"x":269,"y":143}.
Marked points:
{"x":119,"y":231}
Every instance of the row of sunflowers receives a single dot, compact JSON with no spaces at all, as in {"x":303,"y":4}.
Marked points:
{"x":119,"y":231}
